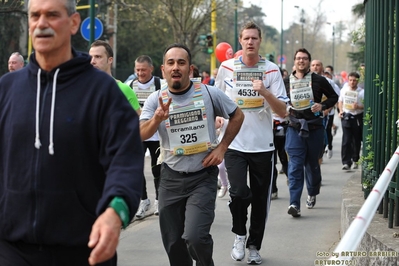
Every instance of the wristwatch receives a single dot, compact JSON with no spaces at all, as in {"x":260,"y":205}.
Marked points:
{"x":121,"y":208}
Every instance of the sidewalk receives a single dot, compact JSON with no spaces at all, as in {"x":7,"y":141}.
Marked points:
{"x":287,"y":241}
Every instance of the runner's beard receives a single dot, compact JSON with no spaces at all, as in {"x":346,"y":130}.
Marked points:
{"x":176,"y":85}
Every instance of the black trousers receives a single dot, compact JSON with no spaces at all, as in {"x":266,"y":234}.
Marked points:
{"x":352,"y":127}
{"x":257,"y":194}
{"x":279,"y":144}
{"x":329,"y":131}
{"x":152,"y":146}
{"x":23,"y":254}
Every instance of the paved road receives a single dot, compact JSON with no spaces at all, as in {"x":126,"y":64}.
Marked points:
{"x":287,"y":241}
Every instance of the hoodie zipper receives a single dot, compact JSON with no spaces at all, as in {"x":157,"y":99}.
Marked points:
{"x":37,"y":163}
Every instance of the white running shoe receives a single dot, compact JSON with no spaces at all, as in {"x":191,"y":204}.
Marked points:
{"x":238,"y":251}
{"x":156,"y":207}
{"x":329,"y":154}
{"x":274,"y":195}
{"x":254,"y":257}
{"x":143,"y":207}
{"x":310,"y":202}
{"x":294,"y":211}
{"x":222,"y":192}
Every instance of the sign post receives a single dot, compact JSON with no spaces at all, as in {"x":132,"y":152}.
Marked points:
{"x":85,"y":29}
{"x":282,"y":59}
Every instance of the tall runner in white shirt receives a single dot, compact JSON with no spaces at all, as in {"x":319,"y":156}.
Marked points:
{"x":257,"y":87}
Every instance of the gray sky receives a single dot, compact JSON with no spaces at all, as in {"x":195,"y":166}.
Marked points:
{"x":335,"y":10}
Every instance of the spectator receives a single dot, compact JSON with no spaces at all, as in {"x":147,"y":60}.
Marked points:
{"x":15,"y":62}
{"x":195,"y":73}
{"x":205,"y":77}
{"x":215,"y":73}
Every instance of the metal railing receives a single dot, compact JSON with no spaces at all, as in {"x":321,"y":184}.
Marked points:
{"x":380,"y":135}
{"x":351,"y":240}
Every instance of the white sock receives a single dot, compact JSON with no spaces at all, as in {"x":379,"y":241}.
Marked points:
{"x":241,"y":237}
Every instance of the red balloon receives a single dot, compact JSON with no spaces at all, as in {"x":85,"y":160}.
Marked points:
{"x":238,"y":53}
{"x":223,"y":51}
{"x":344,"y":75}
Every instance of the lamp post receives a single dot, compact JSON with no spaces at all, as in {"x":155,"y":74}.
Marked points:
{"x":291,"y":54}
{"x":213,"y":29}
{"x":353,"y":61}
{"x":281,"y":37}
{"x":333,"y":48}
{"x":333,"y":43}
{"x":235,"y":28}
{"x":302,"y":20}
{"x":287,"y":50}
{"x":92,"y":23}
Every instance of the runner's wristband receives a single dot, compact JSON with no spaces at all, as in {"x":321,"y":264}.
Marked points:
{"x":121,"y":208}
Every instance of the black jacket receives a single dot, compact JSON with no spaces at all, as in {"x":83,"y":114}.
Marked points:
{"x":55,"y":198}
{"x":320,"y":87}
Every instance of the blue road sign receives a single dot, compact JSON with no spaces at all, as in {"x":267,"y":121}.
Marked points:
{"x":282,"y":59}
{"x":85,"y":29}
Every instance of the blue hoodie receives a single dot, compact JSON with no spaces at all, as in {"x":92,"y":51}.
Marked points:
{"x":65,"y":154}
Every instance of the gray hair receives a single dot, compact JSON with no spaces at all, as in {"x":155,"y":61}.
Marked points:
{"x":144,"y":59}
{"x":70,"y":6}
{"x":19,"y":56}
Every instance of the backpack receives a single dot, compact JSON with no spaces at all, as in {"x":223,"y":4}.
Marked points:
{"x":157,"y":83}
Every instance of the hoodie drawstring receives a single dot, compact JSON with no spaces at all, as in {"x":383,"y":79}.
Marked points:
{"x":51,"y":137}
{"x":51,"y":146}
{"x":37,"y":138}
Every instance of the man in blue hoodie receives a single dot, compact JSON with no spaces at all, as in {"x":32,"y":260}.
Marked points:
{"x":70,"y":151}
